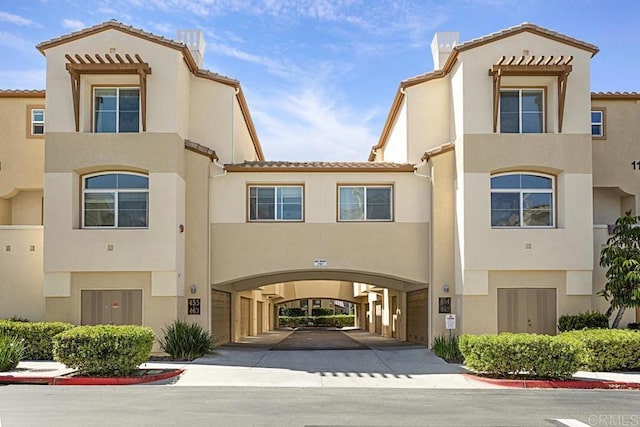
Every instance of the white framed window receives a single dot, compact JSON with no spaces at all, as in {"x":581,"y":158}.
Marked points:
{"x":115,"y":200}
{"x":37,"y":121}
{"x":116,"y":110}
{"x":597,"y":123}
{"x":522,"y":111}
{"x":522,"y":200}
{"x":365,"y":203}
{"x":276,"y":203}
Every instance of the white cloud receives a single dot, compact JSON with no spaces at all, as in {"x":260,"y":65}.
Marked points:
{"x":73,"y":24}
{"x":12,"y":41}
{"x":15,"y":19}
{"x":298,"y":122}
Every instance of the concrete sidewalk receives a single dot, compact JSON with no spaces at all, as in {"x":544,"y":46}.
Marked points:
{"x":375,"y":363}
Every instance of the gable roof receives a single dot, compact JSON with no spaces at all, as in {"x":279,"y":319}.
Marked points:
{"x":453,"y":56}
{"x":186,"y":53}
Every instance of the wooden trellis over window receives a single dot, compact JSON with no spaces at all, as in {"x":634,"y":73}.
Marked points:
{"x":531,"y":66}
{"x":78,"y":65}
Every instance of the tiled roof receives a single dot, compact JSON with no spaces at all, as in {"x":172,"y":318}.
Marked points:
{"x":526,"y":26}
{"x":11,"y":93}
{"x":615,"y":95}
{"x":319,"y":166}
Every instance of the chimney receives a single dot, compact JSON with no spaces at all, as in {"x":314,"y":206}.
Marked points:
{"x":195,"y":42}
{"x":441,"y":46}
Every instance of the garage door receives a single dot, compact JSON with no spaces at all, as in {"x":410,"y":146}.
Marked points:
{"x":111,"y":307}
{"x":245,"y":316}
{"x":527,"y":310}
{"x":378,"y":313}
{"x":221,"y":317}
{"x":259,"y":316}
{"x":417,"y":316}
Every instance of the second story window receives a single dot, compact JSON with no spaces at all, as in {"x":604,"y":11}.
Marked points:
{"x":522,"y":200}
{"x":115,"y":200}
{"x":522,"y":111}
{"x":37,"y":121}
{"x":597,"y":123}
{"x":116,"y":110}
{"x":365,"y":203}
{"x":275,"y":203}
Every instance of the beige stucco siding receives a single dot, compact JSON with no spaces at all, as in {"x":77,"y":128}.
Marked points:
{"x":396,"y":148}
{"x":478,"y":93}
{"x":21,"y":277}
{"x":22,"y":158}
{"x":163,"y":107}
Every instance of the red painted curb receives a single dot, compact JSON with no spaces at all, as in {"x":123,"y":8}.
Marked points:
{"x":116,"y":380}
{"x":71,"y":380}
{"x":575,"y":384}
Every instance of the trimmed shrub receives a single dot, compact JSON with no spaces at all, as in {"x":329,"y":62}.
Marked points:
{"x":447,"y":348}
{"x":104,"y":350}
{"x":606,"y":349}
{"x":322,"y":312}
{"x":337,"y":321}
{"x":633,"y":326}
{"x":186,"y":341}
{"x":11,"y":352}
{"x":293,"y":312}
{"x":586,"y":320}
{"x":37,"y":337}
{"x":509,"y":355}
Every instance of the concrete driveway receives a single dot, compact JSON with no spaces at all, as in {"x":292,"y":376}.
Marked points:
{"x":324,"y":358}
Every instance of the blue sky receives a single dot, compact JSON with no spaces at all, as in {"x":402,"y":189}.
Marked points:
{"x":320,"y":75}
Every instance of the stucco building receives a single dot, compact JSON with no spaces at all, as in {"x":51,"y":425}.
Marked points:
{"x":137,"y":192}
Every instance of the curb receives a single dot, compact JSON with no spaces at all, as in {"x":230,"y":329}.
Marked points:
{"x":571,"y":384}
{"x":71,"y":380}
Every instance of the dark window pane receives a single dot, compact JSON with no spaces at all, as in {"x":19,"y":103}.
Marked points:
{"x":505,"y":218}
{"x":290,"y":212}
{"x":99,"y":218}
{"x":99,"y":201}
{"x":129,"y":122}
{"x":506,"y":181}
{"x":532,"y":122}
{"x":596,"y":116}
{"x":534,"y":181}
{"x":105,"y":122}
{"x":596,"y":130}
{"x":379,"y":203}
{"x":509,"y":101}
{"x":532,"y":101}
{"x":129,"y":100}
{"x":509,"y":122}
{"x":505,"y":201}
{"x":129,"y":201}
{"x":132,"y":181}
{"x":108,"y":181}
{"x":132,"y":218}
{"x":38,"y":129}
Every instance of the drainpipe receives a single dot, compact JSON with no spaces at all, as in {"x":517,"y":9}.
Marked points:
{"x":429,"y":178}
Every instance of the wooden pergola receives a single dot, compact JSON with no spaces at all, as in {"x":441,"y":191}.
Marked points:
{"x":78,"y":65}
{"x":531,"y":66}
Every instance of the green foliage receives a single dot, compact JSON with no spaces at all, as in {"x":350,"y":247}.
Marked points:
{"x":508,"y":355}
{"x":11,"y":352}
{"x":621,"y":257}
{"x":15,"y":318}
{"x":186,"y":341}
{"x":337,"y":321}
{"x":321,"y":312}
{"x":447,"y":348}
{"x":36,"y":336}
{"x":587,"y":320}
{"x":606,"y":349}
{"x":293,"y":312}
{"x":104,"y":350}
{"x":633,"y":326}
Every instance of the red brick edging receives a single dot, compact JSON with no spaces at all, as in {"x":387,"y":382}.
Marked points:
{"x":576,"y":384}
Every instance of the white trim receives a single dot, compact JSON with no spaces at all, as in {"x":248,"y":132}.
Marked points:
{"x":276,"y":189}
{"x":117,"y":110}
{"x":520,"y":112}
{"x":364,"y":212}
{"x":521,"y":191}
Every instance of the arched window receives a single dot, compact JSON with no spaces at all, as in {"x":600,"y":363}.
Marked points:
{"x":522,"y":200}
{"x":115,"y":200}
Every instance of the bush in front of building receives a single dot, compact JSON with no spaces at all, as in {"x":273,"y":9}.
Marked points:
{"x":186,"y":341}
{"x":337,"y":321}
{"x":587,"y":320}
{"x":634,"y":326}
{"x":447,"y":348}
{"x":322,"y":312}
{"x":11,"y":352}
{"x":104,"y":350}
{"x":606,"y":349}
{"x":510,"y":355}
{"x":293,"y":312}
{"x":37,"y":336}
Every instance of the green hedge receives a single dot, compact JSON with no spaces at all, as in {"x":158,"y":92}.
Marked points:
{"x":509,"y":355}
{"x":104,"y":350}
{"x":586,"y":320}
{"x":337,"y":321}
{"x":36,"y":336}
{"x":606,"y":349}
